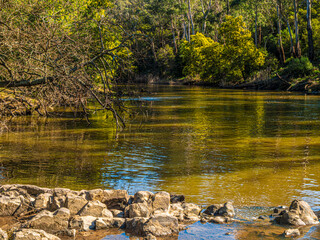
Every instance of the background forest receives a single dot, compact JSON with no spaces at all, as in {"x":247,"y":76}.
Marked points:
{"x":61,"y":53}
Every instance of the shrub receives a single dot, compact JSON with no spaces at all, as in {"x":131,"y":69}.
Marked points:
{"x":298,"y":67}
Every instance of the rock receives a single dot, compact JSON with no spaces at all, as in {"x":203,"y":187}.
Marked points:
{"x":299,"y":214}
{"x":177,"y":198}
{"x":176,"y":210}
{"x":114,"y":199}
{"x":103,"y":223}
{"x":161,"y":202}
{"x":226,"y":211}
{"x":150,"y":237}
{"x":75,"y":203}
{"x":219,"y":219}
{"x":143,"y":197}
{"x":135,"y":226}
{"x":117,"y":213}
{"x":9,"y":206}
{"x":33,"y":234}
{"x":291,"y":233}
{"x":161,"y":225}
{"x":137,"y":210}
{"x":3,"y":235}
{"x":119,"y":222}
{"x":83,"y":223}
{"x":191,"y":211}
{"x":42,"y":201}
{"x":30,"y":189}
{"x":212,"y":209}
{"x":263,"y":217}
{"x":95,"y":209}
{"x":56,"y":222}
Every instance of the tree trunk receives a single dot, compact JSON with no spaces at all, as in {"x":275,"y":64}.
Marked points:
{"x":228,"y":7}
{"x":174,"y":37}
{"x":291,"y":39}
{"x":309,"y":28}
{"x":281,"y":51}
{"x":298,"y":49}
{"x":256,"y":27}
{"x":190,"y":17}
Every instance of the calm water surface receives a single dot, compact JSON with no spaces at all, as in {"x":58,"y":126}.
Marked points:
{"x":253,"y":148}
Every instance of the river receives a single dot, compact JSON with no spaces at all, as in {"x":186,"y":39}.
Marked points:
{"x":212,"y":145}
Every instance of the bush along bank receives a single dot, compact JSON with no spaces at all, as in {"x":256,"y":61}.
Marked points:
{"x":60,"y":213}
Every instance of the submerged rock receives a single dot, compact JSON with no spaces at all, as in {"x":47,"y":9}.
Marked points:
{"x":291,"y":233}
{"x":299,"y":214}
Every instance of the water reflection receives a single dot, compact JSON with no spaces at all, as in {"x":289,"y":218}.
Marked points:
{"x":254,"y":148}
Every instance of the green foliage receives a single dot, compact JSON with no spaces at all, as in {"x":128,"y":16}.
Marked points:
{"x":234,"y":58}
{"x":298,"y":67}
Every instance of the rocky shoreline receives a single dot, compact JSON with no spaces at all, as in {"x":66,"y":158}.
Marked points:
{"x":31,"y":212}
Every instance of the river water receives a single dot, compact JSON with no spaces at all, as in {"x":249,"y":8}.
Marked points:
{"x":213,"y":146}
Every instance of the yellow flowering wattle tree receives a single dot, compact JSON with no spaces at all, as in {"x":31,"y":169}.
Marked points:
{"x":234,"y":58}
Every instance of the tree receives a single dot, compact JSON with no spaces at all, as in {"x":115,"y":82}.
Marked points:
{"x":54,"y":54}
{"x":309,"y":28}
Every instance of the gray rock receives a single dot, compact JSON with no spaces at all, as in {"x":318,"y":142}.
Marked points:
{"x":299,"y":214}
{"x":212,"y":209}
{"x":161,"y":202}
{"x":143,"y":197}
{"x":103,"y":223}
{"x":75,"y":203}
{"x":176,"y":210}
{"x":191,"y":211}
{"x":83,"y":223}
{"x":33,"y":234}
{"x":56,"y":222}
{"x":3,"y":235}
{"x":95,"y":209}
{"x":291,"y":233}
{"x":42,"y":201}
{"x":135,"y":226}
{"x":226,"y":211}
{"x":177,"y":198}
{"x":161,"y":225}
{"x":114,"y":199}
{"x":9,"y":206}
{"x":119,"y":222}
{"x":137,"y":210}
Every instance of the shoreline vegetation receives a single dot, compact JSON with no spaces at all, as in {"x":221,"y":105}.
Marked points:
{"x":31,"y":212}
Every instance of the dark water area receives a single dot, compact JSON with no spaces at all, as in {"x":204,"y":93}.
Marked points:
{"x":212,"y":145}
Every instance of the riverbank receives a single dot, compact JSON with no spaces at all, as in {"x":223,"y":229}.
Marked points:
{"x":31,"y":212}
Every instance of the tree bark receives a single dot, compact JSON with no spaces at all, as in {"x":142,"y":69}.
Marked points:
{"x":256,"y":26}
{"x":281,"y":51}
{"x":298,"y":49}
{"x":309,"y":28}
{"x":190,"y":18}
{"x":292,"y":50}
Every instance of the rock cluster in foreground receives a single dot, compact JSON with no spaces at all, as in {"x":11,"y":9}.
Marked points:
{"x":44,"y":213}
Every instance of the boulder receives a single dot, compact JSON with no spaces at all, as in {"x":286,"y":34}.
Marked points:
{"x":161,"y":225}
{"x":3,"y":235}
{"x":191,"y":211}
{"x":83,"y":223}
{"x":299,"y":214}
{"x":117,"y":213}
{"x":119,"y":222}
{"x":226,"y":211}
{"x":114,"y":199}
{"x":176,"y":210}
{"x":30,"y":189}
{"x":137,"y":210}
{"x":161,"y":202}
{"x":291,"y":233}
{"x":135,"y":225}
{"x":177,"y":198}
{"x":95,"y":209}
{"x":10,"y":205}
{"x":33,"y":234}
{"x":75,"y":203}
{"x":219,"y":219}
{"x":56,"y":222}
{"x":143,"y":197}
{"x":42,"y":201}
{"x":103,"y":223}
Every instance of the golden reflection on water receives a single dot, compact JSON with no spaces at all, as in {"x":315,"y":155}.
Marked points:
{"x":253,"y":148}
